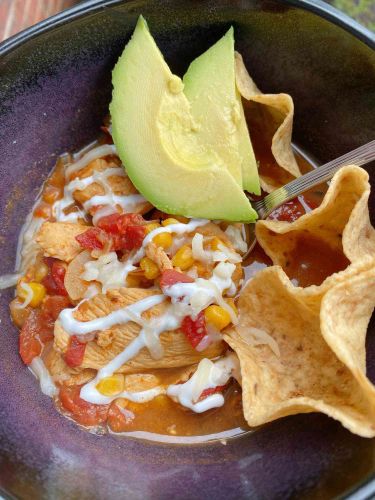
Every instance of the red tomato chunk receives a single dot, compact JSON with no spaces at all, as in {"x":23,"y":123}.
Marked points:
{"x":117,"y":223}
{"x":54,"y":281}
{"x":118,"y":420}
{"x":121,"y":231}
{"x":38,"y":328}
{"x":212,"y":390}
{"x":92,"y":239}
{"x":75,"y":352}
{"x":171,"y":277}
{"x":81,"y":411}
{"x":194,"y":329}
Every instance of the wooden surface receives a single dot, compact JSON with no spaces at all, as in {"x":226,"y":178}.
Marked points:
{"x":16,"y":15}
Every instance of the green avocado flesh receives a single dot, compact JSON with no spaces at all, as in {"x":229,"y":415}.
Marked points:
{"x":210,"y":86}
{"x":163,"y":145}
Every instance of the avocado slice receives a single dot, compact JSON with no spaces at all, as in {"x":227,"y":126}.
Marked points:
{"x":160,"y":142}
{"x":210,"y":86}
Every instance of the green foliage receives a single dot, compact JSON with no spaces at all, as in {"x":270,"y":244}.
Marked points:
{"x":362,"y":11}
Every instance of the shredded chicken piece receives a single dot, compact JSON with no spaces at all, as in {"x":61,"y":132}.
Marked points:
{"x":119,"y":184}
{"x":104,"y":338}
{"x":177,"y":349}
{"x":158,"y":255}
{"x":58,"y":239}
{"x":61,"y":372}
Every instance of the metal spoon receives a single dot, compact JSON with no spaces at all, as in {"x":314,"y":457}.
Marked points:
{"x":269,"y":203}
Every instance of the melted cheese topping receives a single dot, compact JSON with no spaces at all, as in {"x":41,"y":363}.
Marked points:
{"x":108,"y":270}
{"x":223,"y":254}
{"x":237,"y":237}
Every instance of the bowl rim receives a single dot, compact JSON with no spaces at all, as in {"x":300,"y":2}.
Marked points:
{"x":366,"y":488}
{"x":317,"y":7}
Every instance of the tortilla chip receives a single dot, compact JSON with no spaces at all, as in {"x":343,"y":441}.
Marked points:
{"x":321,"y":366}
{"x":280,"y":110}
{"x":109,"y":343}
{"x":341,"y":222}
{"x":74,"y":285}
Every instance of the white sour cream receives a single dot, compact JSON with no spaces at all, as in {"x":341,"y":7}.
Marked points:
{"x":40,"y":371}
{"x":121,"y":316}
{"x":207,"y":376}
{"x":93,"y":154}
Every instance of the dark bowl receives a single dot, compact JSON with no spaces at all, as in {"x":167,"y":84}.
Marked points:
{"x":54,"y":92}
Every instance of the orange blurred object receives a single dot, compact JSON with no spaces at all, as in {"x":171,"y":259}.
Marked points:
{"x":16,"y":15}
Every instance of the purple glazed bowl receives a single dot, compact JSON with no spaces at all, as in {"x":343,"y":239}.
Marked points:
{"x":54,"y":92}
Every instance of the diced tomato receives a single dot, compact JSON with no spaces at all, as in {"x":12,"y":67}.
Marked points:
{"x":75,"y":353}
{"x":38,"y":328}
{"x":117,"y":223}
{"x":109,"y":223}
{"x":127,"y":220}
{"x":29,"y":343}
{"x":212,"y":390}
{"x":54,"y":304}
{"x":81,"y":411}
{"x":194,"y":329}
{"x":124,"y":231}
{"x":58,"y":271}
{"x":117,"y":420}
{"x":92,"y":239}
{"x":130,"y":240}
{"x":54,"y":281}
{"x":171,"y":277}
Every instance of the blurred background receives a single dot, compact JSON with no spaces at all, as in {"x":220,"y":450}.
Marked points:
{"x":16,"y":15}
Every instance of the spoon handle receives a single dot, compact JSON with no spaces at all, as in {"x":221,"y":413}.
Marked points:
{"x":359,"y":156}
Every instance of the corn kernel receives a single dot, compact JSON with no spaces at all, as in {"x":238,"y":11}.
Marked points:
{"x":231,"y":303}
{"x":183,"y":258}
{"x":41,"y":271}
{"x":150,"y":227}
{"x":163,"y":240}
{"x":149,"y":267}
{"x":217,"y":316}
{"x":169,"y":221}
{"x":215,"y":242}
{"x":38,"y":293}
{"x":111,"y":386}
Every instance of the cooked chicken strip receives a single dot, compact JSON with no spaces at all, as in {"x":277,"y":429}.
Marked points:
{"x":177,"y":349}
{"x":58,"y":239}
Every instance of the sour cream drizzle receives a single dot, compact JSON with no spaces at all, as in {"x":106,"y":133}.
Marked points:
{"x":109,"y":200}
{"x":207,"y":376}
{"x":93,"y":154}
{"x":130,"y":313}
